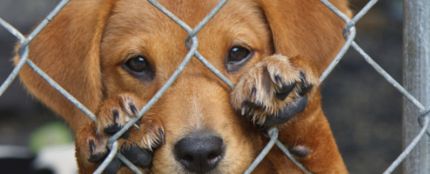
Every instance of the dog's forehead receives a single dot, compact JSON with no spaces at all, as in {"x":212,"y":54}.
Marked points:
{"x":190,"y":11}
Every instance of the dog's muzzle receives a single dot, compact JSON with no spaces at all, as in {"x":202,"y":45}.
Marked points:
{"x":199,"y":152}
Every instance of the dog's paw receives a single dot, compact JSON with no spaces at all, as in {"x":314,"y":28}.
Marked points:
{"x":272,"y":92}
{"x":137,"y":144}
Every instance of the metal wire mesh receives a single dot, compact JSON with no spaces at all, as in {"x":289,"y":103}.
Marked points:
{"x":349,"y":34}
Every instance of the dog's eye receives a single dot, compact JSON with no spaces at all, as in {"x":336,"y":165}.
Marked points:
{"x":138,"y":66}
{"x":237,"y":56}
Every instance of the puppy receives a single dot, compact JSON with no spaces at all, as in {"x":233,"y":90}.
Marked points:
{"x":113,"y":55}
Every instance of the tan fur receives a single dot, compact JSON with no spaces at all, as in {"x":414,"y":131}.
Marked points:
{"x":84,"y":46}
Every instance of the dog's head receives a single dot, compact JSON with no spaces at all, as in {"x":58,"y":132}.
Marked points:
{"x":99,"y":48}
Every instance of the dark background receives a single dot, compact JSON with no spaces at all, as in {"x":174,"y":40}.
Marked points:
{"x":363,"y":109}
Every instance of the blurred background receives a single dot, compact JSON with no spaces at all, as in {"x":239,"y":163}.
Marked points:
{"x":364,"y":110}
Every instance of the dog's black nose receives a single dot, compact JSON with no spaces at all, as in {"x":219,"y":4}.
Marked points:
{"x":199,"y":152}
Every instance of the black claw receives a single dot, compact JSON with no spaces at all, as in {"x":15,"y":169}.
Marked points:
{"x":278,"y":79}
{"x":161,"y":131}
{"x":283,"y":92}
{"x":133,"y":108}
{"x":302,"y":76}
{"x":287,"y":113}
{"x":92,"y":146}
{"x":245,"y":109}
{"x":304,"y":89}
{"x":113,"y":166}
{"x":115,"y":127}
{"x":251,"y":107}
{"x":138,"y":156}
{"x":253,"y":91}
{"x":115,"y":115}
{"x":304,"y":86}
{"x":112,"y":129}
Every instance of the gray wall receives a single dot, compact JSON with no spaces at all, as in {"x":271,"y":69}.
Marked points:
{"x":19,"y":114}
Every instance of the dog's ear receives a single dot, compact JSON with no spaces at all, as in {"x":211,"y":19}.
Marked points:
{"x":68,"y":50}
{"x":306,"y":28}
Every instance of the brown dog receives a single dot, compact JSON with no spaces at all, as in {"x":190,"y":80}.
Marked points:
{"x":113,"y":55}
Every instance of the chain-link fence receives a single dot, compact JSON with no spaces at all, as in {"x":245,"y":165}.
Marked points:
{"x":192,"y":45}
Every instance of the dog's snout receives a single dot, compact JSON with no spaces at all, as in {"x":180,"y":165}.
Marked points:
{"x":199,"y":152}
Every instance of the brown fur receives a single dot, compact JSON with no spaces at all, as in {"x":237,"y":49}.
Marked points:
{"x":84,"y":46}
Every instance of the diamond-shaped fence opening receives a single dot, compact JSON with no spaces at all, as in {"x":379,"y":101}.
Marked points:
{"x":192,"y":45}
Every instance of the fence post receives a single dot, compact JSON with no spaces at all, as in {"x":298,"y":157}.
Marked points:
{"x":416,"y":78}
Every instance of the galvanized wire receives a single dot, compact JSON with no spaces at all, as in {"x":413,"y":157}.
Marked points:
{"x":108,"y":159}
{"x":78,"y":104}
{"x":61,"y":90}
{"x":383,"y":73}
{"x":292,"y":158}
{"x":409,"y":148}
{"x":192,"y":44}
{"x":273,"y":134}
{"x":24,"y":41}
